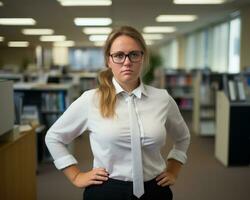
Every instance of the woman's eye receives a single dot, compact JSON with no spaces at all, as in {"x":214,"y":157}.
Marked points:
{"x":120,"y":55}
{"x":134,"y":54}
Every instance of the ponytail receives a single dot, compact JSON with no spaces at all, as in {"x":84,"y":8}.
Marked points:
{"x":107,"y":93}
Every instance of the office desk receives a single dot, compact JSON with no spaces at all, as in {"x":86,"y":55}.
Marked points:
{"x":18,"y":166}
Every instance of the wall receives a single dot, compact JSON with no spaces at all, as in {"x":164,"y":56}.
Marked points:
{"x":245,"y":39}
{"x":16,"y":56}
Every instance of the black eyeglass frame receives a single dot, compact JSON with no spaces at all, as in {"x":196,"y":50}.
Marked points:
{"x":126,"y":55}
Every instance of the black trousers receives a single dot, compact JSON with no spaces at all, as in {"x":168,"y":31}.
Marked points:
{"x":123,"y":190}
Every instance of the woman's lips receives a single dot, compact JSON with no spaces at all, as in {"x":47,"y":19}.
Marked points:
{"x":127,"y":71}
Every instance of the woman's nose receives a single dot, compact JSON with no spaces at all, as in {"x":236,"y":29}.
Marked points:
{"x":127,"y":61}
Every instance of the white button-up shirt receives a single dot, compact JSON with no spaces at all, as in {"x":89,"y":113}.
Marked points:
{"x":110,"y":138}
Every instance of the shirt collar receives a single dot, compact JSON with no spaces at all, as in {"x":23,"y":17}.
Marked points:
{"x":137,"y":91}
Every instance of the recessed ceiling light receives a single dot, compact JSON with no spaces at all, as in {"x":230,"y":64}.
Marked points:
{"x":37,"y":31}
{"x":152,"y":36}
{"x":67,"y":43}
{"x":199,"y":1}
{"x":52,"y":38}
{"x":94,"y":38}
{"x":97,"y":30}
{"x":18,"y":43}
{"x":149,"y":42}
{"x":176,"y":18}
{"x":99,"y":43}
{"x":1,"y":38}
{"x":85,"y":2}
{"x":92,"y":21}
{"x":159,"y":29}
{"x":17,"y":21}
{"x":1,"y":3}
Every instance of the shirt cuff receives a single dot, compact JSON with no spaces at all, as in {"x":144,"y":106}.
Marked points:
{"x":65,"y":162}
{"x":178,"y":155}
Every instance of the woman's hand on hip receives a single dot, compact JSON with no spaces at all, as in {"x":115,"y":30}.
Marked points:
{"x":94,"y":177}
{"x":166,"y":179}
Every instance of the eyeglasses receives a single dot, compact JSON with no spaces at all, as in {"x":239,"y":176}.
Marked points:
{"x":119,"y":57}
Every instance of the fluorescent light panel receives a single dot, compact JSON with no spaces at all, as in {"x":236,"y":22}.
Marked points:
{"x":17,"y":21}
{"x":152,"y":36}
{"x":18,"y":43}
{"x":37,"y":31}
{"x":67,"y":43}
{"x":149,"y":42}
{"x":176,"y":18}
{"x":1,"y":38}
{"x":99,"y":43}
{"x":95,"y":38}
{"x":97,"y":30}
{"x":159,"y":29}
{"x":52,"y":38}
{"x":1,"y":3}
{"x":199,"y":1}
{"x":92,"y":21}
{"x":85,"y":2}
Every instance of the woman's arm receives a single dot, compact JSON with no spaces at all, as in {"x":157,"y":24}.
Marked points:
{"x":169,"y":176}
{"x":178,"y":131}
{"x":70,"y":125}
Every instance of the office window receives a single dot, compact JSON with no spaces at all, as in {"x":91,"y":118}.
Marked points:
{"x":218,"y":47}
{"x":90,"y":59}
{"x":234,"y":46}
{"x":195,"y":50}
{"x":169,"y":54}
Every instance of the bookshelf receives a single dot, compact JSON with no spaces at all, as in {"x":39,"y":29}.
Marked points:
{"x":87,"y":81}
{"x":12,"y":77}
{"x":205,"y":86}
{"x":180,"y":87}
{"x":42,"y":104}
{"x":81,"y":81}
{"x":48,"y":100}
{"x":232,"y":139}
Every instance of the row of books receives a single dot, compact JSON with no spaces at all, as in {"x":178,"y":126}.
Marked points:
{"x":87,"y":83}
{"x":185,"y":104}
{"x":52,"y":101}
{"x":236,"y":89}
{"x":179,"y":80}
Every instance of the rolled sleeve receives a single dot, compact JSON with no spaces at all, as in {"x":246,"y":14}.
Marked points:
{"x":65,"y":161}
{"x":178,"y":155}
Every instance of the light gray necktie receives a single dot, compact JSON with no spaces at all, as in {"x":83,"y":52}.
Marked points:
{"x":138,"y":184}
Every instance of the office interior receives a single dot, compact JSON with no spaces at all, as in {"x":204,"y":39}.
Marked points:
{"x":199,"y":53}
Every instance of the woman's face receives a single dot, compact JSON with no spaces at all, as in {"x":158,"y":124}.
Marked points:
{"x":126,"y":73}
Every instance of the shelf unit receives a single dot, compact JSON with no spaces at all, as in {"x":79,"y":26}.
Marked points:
{"x":51,"y":100}
{"x":180,"y":87}
{"x":205,"y":86}
{"x":232,"y":141}
{"x":12,"y":77}
{"x":42,"y":104}
{"x":81,"y":81}
{"x":87,"y":81}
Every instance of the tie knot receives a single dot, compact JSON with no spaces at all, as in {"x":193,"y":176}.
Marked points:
{"x":131,"y":97}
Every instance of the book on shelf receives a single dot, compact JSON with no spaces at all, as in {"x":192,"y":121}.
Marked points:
{"x":236,"y":90}
{"x":241,"y":91}
{"x":232,"y":90}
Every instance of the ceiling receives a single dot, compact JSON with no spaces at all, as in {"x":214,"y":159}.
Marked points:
{"x":138,"y":13}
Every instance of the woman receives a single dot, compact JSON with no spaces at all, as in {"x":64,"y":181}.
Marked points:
{"x":128,"y":122}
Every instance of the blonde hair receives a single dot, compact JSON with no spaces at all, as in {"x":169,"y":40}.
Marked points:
{"x":106,"y":88}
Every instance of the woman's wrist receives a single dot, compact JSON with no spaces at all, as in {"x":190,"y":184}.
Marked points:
{"x":75,"y":180}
